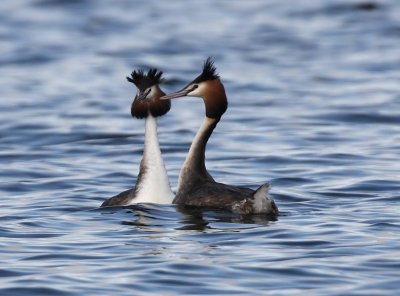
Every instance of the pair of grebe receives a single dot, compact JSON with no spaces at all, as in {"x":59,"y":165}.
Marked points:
{"x":196,"y":187}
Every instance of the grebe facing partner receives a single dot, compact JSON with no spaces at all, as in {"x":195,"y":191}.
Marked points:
{"x":152,"y":184}
{"x":196,"y":187}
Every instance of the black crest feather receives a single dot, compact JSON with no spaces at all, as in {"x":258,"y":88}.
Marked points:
{"x":142,"y":107}
{"x":209,"y":71}
{"x":143,"y":81}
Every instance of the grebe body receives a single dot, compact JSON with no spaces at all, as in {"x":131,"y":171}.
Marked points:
{"x":196,"y":187}
{"x":152,"y":185}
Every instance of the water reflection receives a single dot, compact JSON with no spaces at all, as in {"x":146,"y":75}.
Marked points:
{"x":148,"y":217}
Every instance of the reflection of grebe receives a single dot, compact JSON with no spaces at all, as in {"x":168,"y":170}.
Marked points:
{"x":152,"y":184}
{"x":196,"y":187}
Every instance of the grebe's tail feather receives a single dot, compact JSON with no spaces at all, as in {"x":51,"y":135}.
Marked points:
{"x":262,"y":202}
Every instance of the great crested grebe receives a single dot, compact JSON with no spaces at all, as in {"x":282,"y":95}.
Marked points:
{"x":196,"y":187}
{"x":152,"y":184}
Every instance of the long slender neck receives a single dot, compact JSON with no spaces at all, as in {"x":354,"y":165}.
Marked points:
{"x":194,"y":168}
{"x":151,"y":151}
{"x":153,"y":184}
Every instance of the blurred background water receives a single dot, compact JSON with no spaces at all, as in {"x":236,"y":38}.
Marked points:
{"x":314,"y":99}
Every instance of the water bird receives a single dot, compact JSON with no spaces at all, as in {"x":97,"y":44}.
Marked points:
{"x":196,"y":187}
{"x":152,"y":184}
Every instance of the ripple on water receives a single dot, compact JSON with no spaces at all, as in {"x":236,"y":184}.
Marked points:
{"x":369,"y":186}
{"x":35,"y":291}
{"x":360,"y":118}
{"x":313,"y":109}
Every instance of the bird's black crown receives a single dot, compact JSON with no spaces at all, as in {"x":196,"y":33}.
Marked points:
{"x":209,"y":72}
{"x":144,"y":81}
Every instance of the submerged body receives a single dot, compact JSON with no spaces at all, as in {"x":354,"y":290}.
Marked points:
{"x":152,"y":185}
{"x":196,"y":187}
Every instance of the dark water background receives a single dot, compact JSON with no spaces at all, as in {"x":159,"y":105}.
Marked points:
{"x":314,"y":92}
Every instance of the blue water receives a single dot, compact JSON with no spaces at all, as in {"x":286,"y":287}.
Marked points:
{"x":314,"y":108}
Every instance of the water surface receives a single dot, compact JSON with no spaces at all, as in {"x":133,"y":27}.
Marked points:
{"x":313,"y":109}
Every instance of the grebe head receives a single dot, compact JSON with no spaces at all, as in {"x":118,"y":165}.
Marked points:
{"x":147,"y":100}
{"x":207,"y":86}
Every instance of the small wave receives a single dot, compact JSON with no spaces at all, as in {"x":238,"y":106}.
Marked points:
{"x":34,"y":291}
{"x":341,"y":8}
{"x":360,"y":118}
{"x":372,"y":186}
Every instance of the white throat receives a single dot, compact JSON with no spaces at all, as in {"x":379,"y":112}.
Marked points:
{"x":154,"y":186}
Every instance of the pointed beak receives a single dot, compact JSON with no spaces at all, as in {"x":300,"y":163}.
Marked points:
{"x":179,"y":94}
{"x":143,"y":95}
{"x":175,"y":95}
